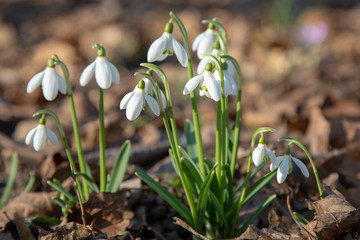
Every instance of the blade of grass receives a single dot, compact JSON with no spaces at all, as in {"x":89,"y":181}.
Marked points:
{"x":58,"y":187}
{"x":10,"y":181}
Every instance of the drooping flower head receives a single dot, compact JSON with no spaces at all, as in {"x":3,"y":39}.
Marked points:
{"x":39,"y":134}
{"x":284,"y":165}
{"x":208,"y":85}
{"x":105,"y":72}
{"x":204,"y":42}
{"x":165,"y":46}
{"x":50,"y":81}
{"x":134,"y":102}
{"x":261,"y":152}
{"x":230,"y":86}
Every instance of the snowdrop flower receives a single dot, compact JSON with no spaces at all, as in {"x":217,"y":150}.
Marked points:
{"x":105,"y":72}
{"x":50,"y":80}
{"x":204,"y":42}
{"x":165,"y":46}
{"x":150,"y":90}
{"x":262,"y":151}
{"x":230,"y":86}
{"x":134,"y":102}
{"x":39,"y":134}
{"x":208,"y":85}
{"x":284,"y":165}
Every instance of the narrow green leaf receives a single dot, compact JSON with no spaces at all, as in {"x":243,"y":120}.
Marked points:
{"x":31,"y":182}
{"x":203,"y":199}
{"x":10,"y":181}
{"x":300,"y":218}
{"x":255,"y":215}
{"x":46,"y":220}
{"x":119,"y":168}
{"x":192,"y":178}
{"x":191,"y":141}
{"x":58,"y":187}
{"x":90,"y":182}
{"x":166,"y":195}
{"x":216,"y":203}
{"x":173,"y":162}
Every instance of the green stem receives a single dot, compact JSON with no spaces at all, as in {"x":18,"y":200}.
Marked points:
{"x":75,"y":124}
{"x":236,"y":134}
{"x":195,"y":113}
{"x":66,"y":145}
{"x":102,"y":142}
{"x":218,"y":141}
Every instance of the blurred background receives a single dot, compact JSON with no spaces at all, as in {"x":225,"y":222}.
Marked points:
{"x":299,"y":60}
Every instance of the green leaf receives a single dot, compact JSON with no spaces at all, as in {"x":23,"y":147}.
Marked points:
{"x":119,"y":168}
{"x":191,"y":141}
{"x":173,"y":162}
{"x":166,"y":195}
{"x":11,"y":180}
{"x":90,"y":182}
{"x":46,"y":220}
{"x":254,"y":189}
{"x":30,"y":183}
{"x":220,"y":210}
{"x":58,"y":187}
{"x":203,"y":199}
{"x":255,"y":215}
{"x":300,"y":218}
{"x":192,"y":179}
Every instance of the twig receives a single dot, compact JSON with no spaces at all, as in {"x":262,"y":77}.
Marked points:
{"x":78,"y":195}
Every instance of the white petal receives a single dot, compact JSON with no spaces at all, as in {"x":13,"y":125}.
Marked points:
{"x":202,"y":64}
{"x":197,"y":41}
{"x":114,"y":72}
{"x":52,"y":136}
{"x":192,"y":84}
{"x":163,"y":99}
{"x":180,"y":53}
{"x":206,"y":44}
{"x":156,"y":49}
{"x":302,"y":167}
{"x":154,"y":106}
{"x":50,"y":84}
{"x":135,"y":104}
{"x":231,"y":82}
{"x":230,"y":68}
{"x":87,"y":74}
{"x":282,"y":171}
{"x":39,"y":137}
{"x":103,"y":75}
{"x":29,"y":137}
{"x":212,"y":86}
{"x":61,"y":84}
{"x":124,"y":102}
{"x":271,"y":155}
{"x":258,"y":155}
{"x":35,"y":82}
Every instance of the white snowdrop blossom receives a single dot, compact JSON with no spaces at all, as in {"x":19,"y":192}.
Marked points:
{"x":165,"y":46}
{"x":39,"y":134}
{"x":150,"y":90}
{"x":230,"y":86}
{"x":105,"y":72}
{"x":208,"y":85}
{"x":262,"y":151}
{"x":284,"y":165}
{"x":204,"y":42}
{"x":50,"y":81}
{"x":134,"y":102}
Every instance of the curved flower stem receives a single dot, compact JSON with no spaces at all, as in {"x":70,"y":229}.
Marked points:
{"x":75,"y":125}
{"x":102,"y":142}
{"x":302,"y":146}
{"x":195,"y":112}
{"x":66,"y":145}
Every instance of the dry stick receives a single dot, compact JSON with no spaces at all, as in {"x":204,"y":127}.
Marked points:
{"x":78,"y":195}
{"x":293,"y":217}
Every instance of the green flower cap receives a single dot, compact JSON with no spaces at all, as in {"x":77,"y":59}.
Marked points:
{"x":169,"y":27}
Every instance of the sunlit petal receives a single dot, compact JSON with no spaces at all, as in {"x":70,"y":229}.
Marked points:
{"x":87,"y":74}
{"x":35,"y":82}
{"x":156,"y":50}
{"x":282,"y":171}
{"x":50,"y":84}
{"x":102,"y":73}
{"x":52,"y":136}
{"x":154,"y":106}
{"x":61,"y":84}
{"x":39,"y":137}
{"x":302,"y":166}
{"x":272,"y":156}
{"x":29,"y":137}
{"x":212,"y":86}
{"x":197,"y":41}
{"x":135,"y":104}
{"x":114,"y":72}
{"x":206,"y":44}
{"x":258,"y":155}
{"x":192,"y":84}
{"x":202,"y":64}
{"x":180,"y":53}
{"x":124,"y":102}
